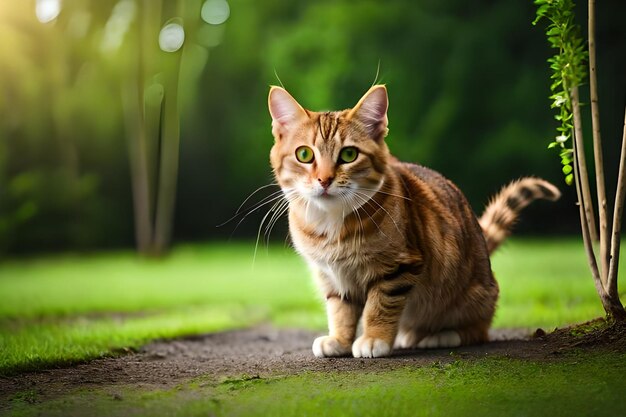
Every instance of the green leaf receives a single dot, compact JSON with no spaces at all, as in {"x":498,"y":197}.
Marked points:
{"x":569,"y":179}
{"x":554,"y":31}
{"x":567,"y":169}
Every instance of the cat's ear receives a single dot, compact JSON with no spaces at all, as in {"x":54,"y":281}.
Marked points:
{"x":284,"y":109}
{"x":371,"y":110}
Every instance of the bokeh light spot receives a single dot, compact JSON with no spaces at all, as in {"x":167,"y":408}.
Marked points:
{"x":172,"y":37}
{"x":47,"y":10}
{"x":118,"y":24}
{"x":215,"y":12}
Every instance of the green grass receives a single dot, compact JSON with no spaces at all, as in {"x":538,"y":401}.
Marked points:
{"x":212,"y":274}
{"x":544,"y":283}
{"x":573,"y":386}
{"x":33,"y":345}
{"x":63,"y":309}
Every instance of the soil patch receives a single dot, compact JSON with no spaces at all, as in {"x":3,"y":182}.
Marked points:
{"x":266,"y":351}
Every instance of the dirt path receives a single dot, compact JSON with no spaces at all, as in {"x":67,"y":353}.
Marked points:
{"x":261,"y":351}
{"x":266,"y":351}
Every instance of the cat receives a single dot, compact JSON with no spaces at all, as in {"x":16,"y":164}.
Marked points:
{"x":393,"y":244}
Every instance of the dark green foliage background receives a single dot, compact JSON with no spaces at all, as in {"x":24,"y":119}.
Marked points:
{"x":468,"y":85}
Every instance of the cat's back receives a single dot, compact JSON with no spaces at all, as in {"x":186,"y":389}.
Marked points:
{"x":443,"y":222}
{"x":429,"y":186}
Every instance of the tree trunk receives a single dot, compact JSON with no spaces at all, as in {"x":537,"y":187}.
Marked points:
{"x":168,"y":161}
{"x":597,"y":149}
{"x":585,"y":194}
{"x":609,"y":250}
{"x":585,"y":224}
{"x":133,"y":100}
{"x":617,"y":310}
{"x":170,"y":141}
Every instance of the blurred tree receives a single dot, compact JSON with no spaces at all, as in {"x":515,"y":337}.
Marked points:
{"x":65,"y":86}
{"x":150,"y":92}
{"x":466,"y":84}
{"x":150,"y":95}
{"x":46,"y":194}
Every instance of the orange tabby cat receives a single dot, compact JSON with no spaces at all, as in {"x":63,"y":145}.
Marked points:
{"x":393,"y":243}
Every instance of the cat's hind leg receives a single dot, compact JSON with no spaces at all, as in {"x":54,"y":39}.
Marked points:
{"x":407,"y":338}
{"x":444,"y":339}
{"x":470,"y":335}
{"x":411,"y":339}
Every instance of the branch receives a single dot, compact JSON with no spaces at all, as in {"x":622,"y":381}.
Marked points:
{"x":582,"y":166}
{"x":584,"y":221}
{"x":617,"y":220}
{"x":597,"y":148}
{"x":585,"y":224}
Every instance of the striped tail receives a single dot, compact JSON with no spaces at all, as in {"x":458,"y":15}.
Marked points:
{"x":502,"y":212}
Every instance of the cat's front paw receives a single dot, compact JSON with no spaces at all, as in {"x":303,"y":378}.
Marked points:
{"x":328,"y":346}
{"x":368,"y":347}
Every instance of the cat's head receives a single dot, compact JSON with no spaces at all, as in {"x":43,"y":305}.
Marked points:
{"x":334,"y":160}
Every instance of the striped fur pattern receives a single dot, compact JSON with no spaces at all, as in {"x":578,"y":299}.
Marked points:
{"x":392,"y":245}
{"x":503,"y":210}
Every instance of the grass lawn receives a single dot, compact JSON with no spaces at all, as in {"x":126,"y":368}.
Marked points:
{"x":64,"y":309}
{"x":574,"y":386}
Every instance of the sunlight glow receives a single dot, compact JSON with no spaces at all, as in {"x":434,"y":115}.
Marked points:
{"x":47,"y":10}
{"x":215,"y":12}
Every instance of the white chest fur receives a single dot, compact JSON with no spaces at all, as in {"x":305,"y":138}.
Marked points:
{"x":343,"y":263}
{"x":346,"y":262}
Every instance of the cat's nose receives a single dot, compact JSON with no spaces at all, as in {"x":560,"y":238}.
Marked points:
{"x":325,"y":182}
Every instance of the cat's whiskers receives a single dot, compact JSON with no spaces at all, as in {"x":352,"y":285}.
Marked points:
{"x":375,"y":190}
{"x":278,"y":213}
{"x":306,"y":210}
{"x":367,"y":201}
{"x":265,"y":200}
{"x":347,"y":204}
{"x":355,"y":209}
{"x":258,"y":236}
{"x":274,"y":199}
{"x":254,"y":192}
{"x":280,"y":206}
{"x":382,"y":208}
{"x":279,"y":210}
{"x":386,"y":193}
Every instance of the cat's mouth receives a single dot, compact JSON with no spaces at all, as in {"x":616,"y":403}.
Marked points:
{"x":325,"y":194}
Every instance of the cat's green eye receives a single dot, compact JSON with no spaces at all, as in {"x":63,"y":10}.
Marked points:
{"x":348,"y":154}
{"x":305,"y":154}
